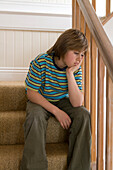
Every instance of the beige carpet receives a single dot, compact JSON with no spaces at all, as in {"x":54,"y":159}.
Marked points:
{"x":12,"y":117}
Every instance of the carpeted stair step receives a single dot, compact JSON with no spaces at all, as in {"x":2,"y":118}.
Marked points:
{"x":10,"y":156}
{"x":12,"y":96}
{"x":12,"y":131}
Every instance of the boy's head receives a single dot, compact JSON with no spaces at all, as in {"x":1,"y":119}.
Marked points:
{"x":71,"y":39}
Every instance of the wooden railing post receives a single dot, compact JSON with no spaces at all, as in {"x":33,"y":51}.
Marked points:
{"x":87,"y":73}
{"x":73,"y":14}
{"x":108,"y":5}
{"x":100,"y":114}
{"x":93,"y":93}
{"x":94,"y":4}
{"x":109,"y":124}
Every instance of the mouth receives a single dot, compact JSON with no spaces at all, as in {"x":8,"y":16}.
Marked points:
{"x":75,"y":64}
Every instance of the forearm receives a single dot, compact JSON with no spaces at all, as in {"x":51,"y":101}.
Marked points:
{"x":75,"y":95}
{"x":37,"y":98}
{"x":61,"y":116}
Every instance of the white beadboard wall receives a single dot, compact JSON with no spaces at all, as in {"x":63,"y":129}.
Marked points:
{"x":23,"y":35}
{"x":18,"y":48}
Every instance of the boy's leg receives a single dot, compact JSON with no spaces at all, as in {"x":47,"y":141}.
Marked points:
{"x":34,"y":154}
{"x":79,"y":154}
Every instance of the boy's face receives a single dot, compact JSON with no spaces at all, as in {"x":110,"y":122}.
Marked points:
{"x":73,"y":58}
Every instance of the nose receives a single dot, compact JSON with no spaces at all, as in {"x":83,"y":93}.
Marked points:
{"x":79,"y":58}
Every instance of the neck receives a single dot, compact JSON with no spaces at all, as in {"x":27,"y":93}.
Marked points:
{"x":59,"y":62}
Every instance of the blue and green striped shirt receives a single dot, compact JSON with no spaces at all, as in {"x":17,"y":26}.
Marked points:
{"x":48,"y":79}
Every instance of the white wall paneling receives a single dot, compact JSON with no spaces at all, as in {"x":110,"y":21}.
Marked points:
{"x":9,"y":49}
{"x":2,"y":50}
{"x":40,"y":1}
{"x":27,"y":21}
{"x":109,"y":29}
{"x":27,"y":46}
{"x":35,"y":44}
{"x":25,"y":34}
{"x":18,"y":48}
{"x":40,"y":7}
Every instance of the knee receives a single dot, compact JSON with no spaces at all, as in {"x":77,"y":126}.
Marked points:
{"x":85,"y":114}
{"x":35,"y":112}
{"x":82,"y":114}
{"x":35,"y":118}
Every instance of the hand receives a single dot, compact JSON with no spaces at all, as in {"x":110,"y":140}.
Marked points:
{"x":74,"y":68}
{"x":63,"y":118}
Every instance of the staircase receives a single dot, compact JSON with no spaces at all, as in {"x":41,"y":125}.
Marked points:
{"x":12,"y":117}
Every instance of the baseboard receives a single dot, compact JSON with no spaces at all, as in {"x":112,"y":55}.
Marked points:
{"x":13,"y":74}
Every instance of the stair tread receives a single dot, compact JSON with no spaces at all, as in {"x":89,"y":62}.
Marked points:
{"x":12,"y":96}
{"x":12,"y":83}
{"x":10,"y":156}
{"x":12,"y":130}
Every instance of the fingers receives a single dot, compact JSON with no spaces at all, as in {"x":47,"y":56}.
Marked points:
{"x":66,"y":123}
{"x":64,"y":119}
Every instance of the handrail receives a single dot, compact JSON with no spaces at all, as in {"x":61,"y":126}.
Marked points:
{"x":105,"y":20}
{"x":104,"y":45}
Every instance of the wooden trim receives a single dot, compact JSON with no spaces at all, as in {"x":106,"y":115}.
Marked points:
{"x":96,"y":28}
{"x":108,"y":5}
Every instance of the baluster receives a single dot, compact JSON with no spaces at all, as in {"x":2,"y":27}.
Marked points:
{"x":109,"y":123}
{"x":100,"y":114}
{"x":108,"y":4}
{"x":93,"y":104}
{"x":87,"y":73}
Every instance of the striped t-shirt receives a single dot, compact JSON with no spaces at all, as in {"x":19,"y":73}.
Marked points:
{"x":45,"y":77}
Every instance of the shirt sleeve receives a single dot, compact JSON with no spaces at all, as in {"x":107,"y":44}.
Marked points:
{"x":33,"y":79}
{"x":78,"y":77}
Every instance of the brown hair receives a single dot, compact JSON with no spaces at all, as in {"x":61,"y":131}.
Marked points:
{"x":71,"y":39}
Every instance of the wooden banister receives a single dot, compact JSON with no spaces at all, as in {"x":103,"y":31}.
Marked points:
{"x":98,"y":61}
{"x":96,"y":28}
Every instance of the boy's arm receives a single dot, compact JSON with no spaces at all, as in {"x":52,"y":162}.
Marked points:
{"x":61,"y":116}
{"x":75,"y":95}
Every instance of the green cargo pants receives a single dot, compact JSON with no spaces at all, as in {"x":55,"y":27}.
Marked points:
{"x":79,"y":153}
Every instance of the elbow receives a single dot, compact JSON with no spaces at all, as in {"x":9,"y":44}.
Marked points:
{"x":31,"y":94}
{"x":77,"y":103}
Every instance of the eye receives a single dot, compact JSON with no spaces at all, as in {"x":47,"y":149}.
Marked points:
{"x":76,"y":53}
{"x":82,"y":55}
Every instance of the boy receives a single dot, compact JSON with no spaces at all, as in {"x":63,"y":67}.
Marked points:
{"x":54,"y":87}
